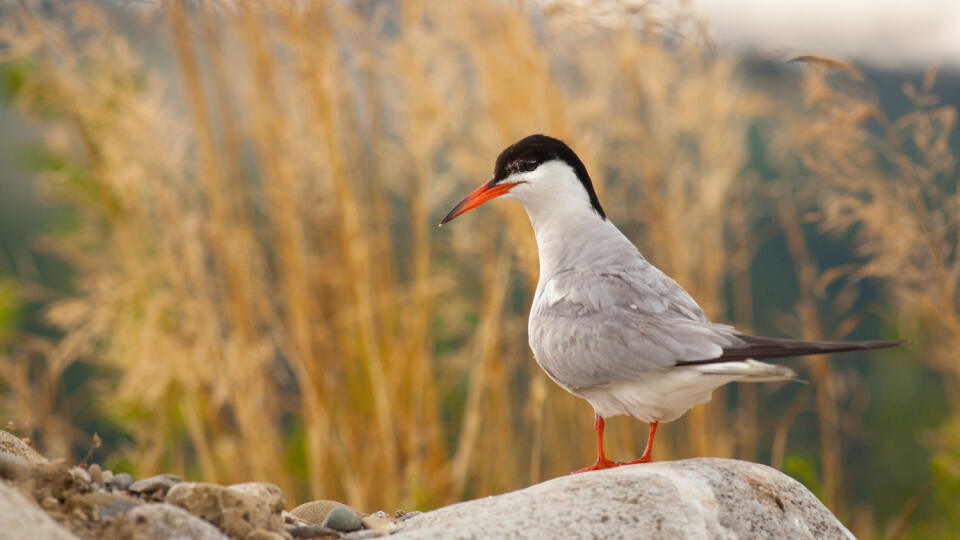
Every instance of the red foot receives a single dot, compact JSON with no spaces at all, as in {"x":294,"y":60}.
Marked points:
{"x":602,"y":463}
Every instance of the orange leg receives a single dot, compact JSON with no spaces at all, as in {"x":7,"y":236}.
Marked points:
{"x":602,"y":461}
{"x":645,"y":458}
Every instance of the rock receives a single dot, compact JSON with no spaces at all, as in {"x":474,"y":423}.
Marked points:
{"x":342,"y":519}
{"x":106,"y":505}
{"x":270,"y":494}
{"x":108,"y":478}
{"x":160,"y":522}
{"x":312,"y":531}
{"x":695,"y":498}
{"x":96,"y":475}
{"x":82,"y":476}
{"x":12,"y":444}
{"x":403,"y":516}
{"x":378,"y":523}
{"x":157,"y":485}
{"x":21,"y":518}
{"x":235,"y":512}
{"x":12,"y":467}
{"x":121,"y":482}
{"x":49,"y":503}
{"x":315,"y":512}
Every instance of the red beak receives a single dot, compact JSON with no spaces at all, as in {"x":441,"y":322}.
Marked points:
{"x":477,"y":197}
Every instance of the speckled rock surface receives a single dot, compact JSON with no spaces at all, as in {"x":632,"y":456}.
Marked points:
{"x":22,"y":518}
{"x":235,"y":512}
{"x":695,"y":498}
{"x":12,"y":444}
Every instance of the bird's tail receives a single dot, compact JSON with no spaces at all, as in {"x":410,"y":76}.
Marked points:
{"x":761,"y":347}
{"x":749,"y":371}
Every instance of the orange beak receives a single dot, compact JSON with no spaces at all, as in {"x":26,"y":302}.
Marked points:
{"x":477,"y":197}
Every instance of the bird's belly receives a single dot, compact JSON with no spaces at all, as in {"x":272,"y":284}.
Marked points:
{"x":662,"y":395}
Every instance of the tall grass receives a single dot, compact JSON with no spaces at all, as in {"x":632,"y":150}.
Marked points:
{"x":256,"y":252}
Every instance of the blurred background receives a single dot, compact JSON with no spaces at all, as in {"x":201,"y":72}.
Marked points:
{"x":219,"y":253}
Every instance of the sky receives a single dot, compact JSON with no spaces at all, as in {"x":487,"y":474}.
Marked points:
{"x":885,"y":33}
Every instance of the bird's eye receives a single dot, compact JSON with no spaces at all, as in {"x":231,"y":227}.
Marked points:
{"x":528,"y":165}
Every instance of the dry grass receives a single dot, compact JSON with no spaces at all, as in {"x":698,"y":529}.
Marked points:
{"x":257,"y":255}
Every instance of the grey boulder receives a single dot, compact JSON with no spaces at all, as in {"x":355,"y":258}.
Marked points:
{"x":695,"y":498}
{"x":160,"y":521}
{"x":22,"y":518}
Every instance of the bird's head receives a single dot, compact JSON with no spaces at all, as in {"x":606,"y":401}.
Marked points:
{"x":540,"y":172}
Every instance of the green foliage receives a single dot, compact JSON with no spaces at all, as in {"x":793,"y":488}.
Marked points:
{"x":11,"y":309}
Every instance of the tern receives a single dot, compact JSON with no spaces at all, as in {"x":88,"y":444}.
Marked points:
{"x":605,"y":324}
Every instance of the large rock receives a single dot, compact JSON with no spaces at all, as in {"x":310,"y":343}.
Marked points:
{"x":696,"y":498}
{"x":22,"y":518}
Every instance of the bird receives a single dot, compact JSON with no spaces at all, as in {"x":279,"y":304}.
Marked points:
{"x":605,"y":324}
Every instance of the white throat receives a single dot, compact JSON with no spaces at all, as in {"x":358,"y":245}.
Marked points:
{"x":570,"y":233}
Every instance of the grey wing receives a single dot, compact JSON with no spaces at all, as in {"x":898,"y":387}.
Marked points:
{"x":589,"y":328}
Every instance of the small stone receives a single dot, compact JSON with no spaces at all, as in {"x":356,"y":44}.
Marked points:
{"x":235,"y":512}
{"x":378,"y":523}
{"x":96,"y":475}
{"x":107,"y":477}
{"x":12,"y":444}
{"x":160,"y":522}
{"x":12,"y":467}
{"x":49,"y":503}
{"x":312,"y":531}
{"x":78,"y":514}
{"x":106,"y":505}
{"x":121,"y":482}
{"x":159,"y":484}
{"x":314,"y":512}
{"x":81,"y":475}
{"x":342,"y":519}
{"x":270,"y":494}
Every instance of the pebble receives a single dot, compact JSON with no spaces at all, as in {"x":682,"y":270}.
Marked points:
{"x":271,"y":494}
{"x":160,"y":521}
{"x":121,"y":482}
{"x":49,"y":503}
{"x":81,"y":475}
{"x":342,"y":519}
{"x":236,"y":513}
{"x":314,"y":512}
{"x":312,"y":531}
{"x":378,"y":523}
{"x":96,"y":474}
{"x":12,"y":467}
{"x":12,"y":444}
{"x":159,"y":484}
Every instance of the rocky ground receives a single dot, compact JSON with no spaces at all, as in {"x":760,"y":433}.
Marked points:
{"x":49,"y":499}
{"x":696,"y":498}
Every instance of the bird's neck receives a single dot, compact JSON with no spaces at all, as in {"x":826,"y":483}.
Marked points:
{"x":575,"y":239}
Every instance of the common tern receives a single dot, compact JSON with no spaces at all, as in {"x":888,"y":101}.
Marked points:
{"x":605,"y":324}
